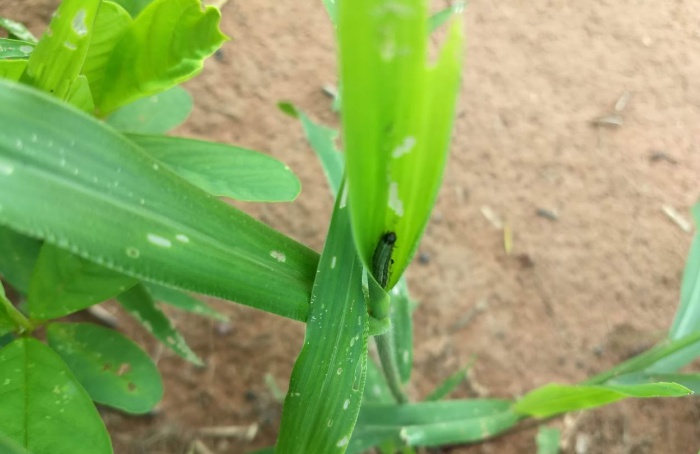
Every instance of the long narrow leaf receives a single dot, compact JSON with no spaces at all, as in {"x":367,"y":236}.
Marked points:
{"x":18,"y":30}
{"x":58,"y":58}
{"x":58,"y":166}
{"x":183,"y":301}
{"x":327,"y":384}
{"x":397,"y":118}
{"x":14,"y":48}
{"x":554,"y":399}
{"x":224,"y":170}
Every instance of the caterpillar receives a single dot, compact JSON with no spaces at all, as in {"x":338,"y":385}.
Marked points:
{"x":381,"y":261}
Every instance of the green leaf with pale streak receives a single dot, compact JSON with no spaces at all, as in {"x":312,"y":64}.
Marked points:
{"x":401,"y":313}
{"x":12,"y":69}
{"x":548,"y":440}
{"x":183,"y":301}
{"x":223,"y":170}
{"x":111,"y":368}
{"x":18,"y":254}
{"x":80,"y":95}
{"x":134,"y":7}
{"x":397,"y":119}
{"x":553,"y":399}
{"x":139,"y":303}
{"x":432,"y":423}
{"x":442,"y":16}
{"x":322,"y":141}
{"x":645,"y":360}
{"x":332,"y":10}
{"x":143,"y":219}
{"x":327,"y":383}
{"x":18,"y":30}
{"x":59,"y":55}
{"x":63,"y":283}
{"x":448,"y":385}
{"x":165,"y":45}
{"x":687,"y":318}
{"x":111,"y":23}
{"x":155,"y":114}
{"x":14,"y":48}
{"x":43,"y":408}
{"x":690,"y":381}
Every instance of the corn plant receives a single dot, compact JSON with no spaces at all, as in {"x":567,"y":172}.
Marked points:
{"x":97,"y":203}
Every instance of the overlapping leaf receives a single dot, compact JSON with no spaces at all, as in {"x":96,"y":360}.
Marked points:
{"x":19,"y":254}
{"x":111,"y":368}
{"x":155,"y":114}
{"x":138,"y":217}
{"x":327,"y":384}
{"x":46,"y":413}
{"x":14,"y":48}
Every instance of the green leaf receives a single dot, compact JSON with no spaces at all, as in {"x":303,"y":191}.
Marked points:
{"x":63,"y":283}
{"x":548,"y":440}
{"x":8,"y":446}
{"x":18,"y":254}
{"x":43,"y":408}
{"x":376,"y":389}
{"x":155,"y":114}
{"x":322,"y":141}
{"x":177,"y":235}
{"x":165,"y":45}
{"x":13,"y":48}
{"x":442,"y":16}
{"x":11,"y":319}
{"x":687,"y":319}
{"x":18,"y":30}
{"x":111,"y":23}
{"x":223,"y":170}
{"x":134,"y":7}
{"x":111,"y":368}
{"x":183,"y":301}
{"x":450,"y":383}
{"x":59,"y":55}
{"x":332,"y":10}
{"x":690,"y":381}
{"x":397,"y":118}
{"x":139,"y":303}
{"x":401,"y":312}
{"x":432,"y":423}
{"x":327,"y":383}
{"x":80,"y":95}
{"x":12,"y":69}
{"x":647,"y":359}
{"x":553,"y":399}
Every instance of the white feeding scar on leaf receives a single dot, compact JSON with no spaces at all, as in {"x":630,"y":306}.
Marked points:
{"x":404,"y":147}
{"x":78,"y":23}
{"x":158,"y":240}
{"x":395,"y":202}
{"x":279,"y":256}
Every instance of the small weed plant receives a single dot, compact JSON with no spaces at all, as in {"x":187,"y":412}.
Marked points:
{"x":97,"y":203}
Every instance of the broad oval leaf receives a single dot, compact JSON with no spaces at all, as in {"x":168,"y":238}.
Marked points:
{"x":134,"y":215}
{"x":18,"y":254}
{"x":63,"y":283}
{"x":397,"y":118}
{"x":223,"y":170}
{"x":139,"y":303}
{"x":43,"y":408}
{"x":327,"y":383}
{"x":111,"y":368}
{"x":165,"y":45}
{"x":155,"y":114}
{"x":553,"y":399}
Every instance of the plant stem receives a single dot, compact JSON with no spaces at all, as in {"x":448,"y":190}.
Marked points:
{"x":385,"y":348}
{"x":15,"y":315}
